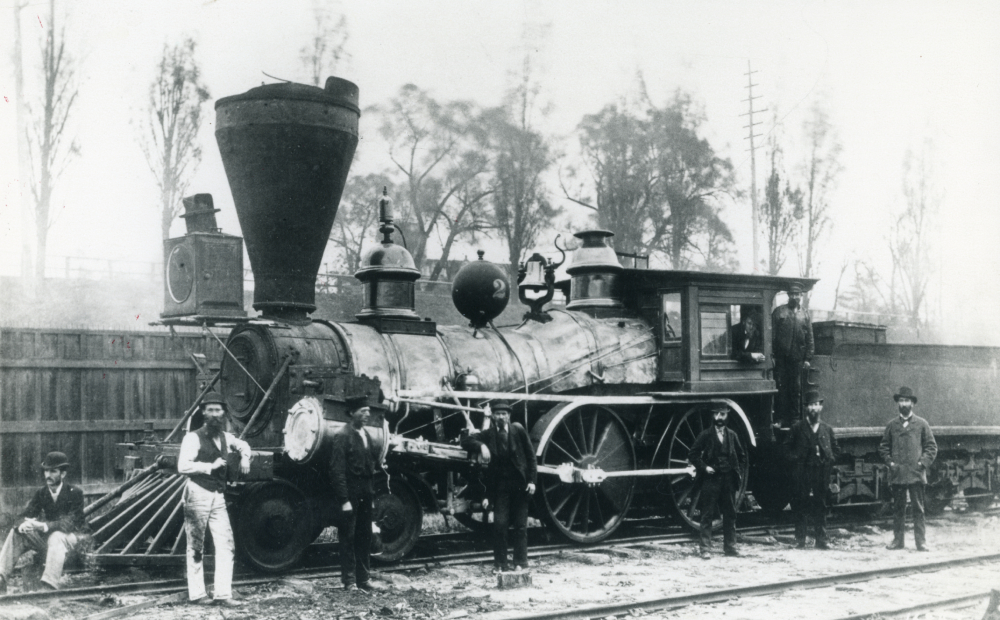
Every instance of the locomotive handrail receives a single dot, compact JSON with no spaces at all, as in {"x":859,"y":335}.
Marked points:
{"x":569,"y":474}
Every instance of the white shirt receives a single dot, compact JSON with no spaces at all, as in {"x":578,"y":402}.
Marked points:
{"x":364,"y":436}
{"x":55,"y":495}
{"x":721,"y":432}
{"x":186,"y":463}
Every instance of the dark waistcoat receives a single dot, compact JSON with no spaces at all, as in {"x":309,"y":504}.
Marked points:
{"x":207,"y":453}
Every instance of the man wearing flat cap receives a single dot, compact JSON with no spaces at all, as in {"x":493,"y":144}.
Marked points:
{"x":352,"y":473}
{"x":203,"y":458}
{"x":716,"y":455}
{"x":510,"y":482}
{"x":52,"y":524}
{"x":908,"y":448}
{"x":812,"y":448}
{"x":792,"y":347}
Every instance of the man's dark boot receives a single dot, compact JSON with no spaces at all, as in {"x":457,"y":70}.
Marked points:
{"x":731,"y":552}
{"x":894,"y":545}
{"x":800,"y":543}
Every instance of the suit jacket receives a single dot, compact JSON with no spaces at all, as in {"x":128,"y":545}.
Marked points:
{"x":743,"y":346}
{"x":62,"y":515}
{"x":352,"y":466}
{"x":791,"y":334}
{"x":708,"y":452}
{"x":521,"y":454}
{"x":908,"y":451}
{"x":801,"y":439}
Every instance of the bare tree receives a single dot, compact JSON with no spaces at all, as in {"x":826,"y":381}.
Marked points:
{"x":327,"y":47}
{"x":170,"y":132}
{"x":780,"y":212}
{"x":357,"y":218}
{"x":909,"y":242}
{"x":49,"y":150}
{"x":521,"y":155}
{"x":439,"y":150}
{"x":820,"y":172}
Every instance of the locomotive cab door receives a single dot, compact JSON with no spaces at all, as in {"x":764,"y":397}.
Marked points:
{"x":671,"y":335}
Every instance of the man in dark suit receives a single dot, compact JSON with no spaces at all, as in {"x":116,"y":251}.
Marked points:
{"x":52,"y":524}
{"x":748,"y":341}
{"x":812,"y":448}
{"x":510,"y":482}
{"x":352,"y":471}
{"x":717,"y":454}
{"x":792,"y":348}
{"x":908,"y":447}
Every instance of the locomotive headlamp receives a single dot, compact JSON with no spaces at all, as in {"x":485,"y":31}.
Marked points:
{"x":304,"y":429}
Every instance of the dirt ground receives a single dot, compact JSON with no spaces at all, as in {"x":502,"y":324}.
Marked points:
{"x":561,"y":582}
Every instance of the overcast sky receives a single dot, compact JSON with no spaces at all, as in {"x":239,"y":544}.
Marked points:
{"x":891,"y":74}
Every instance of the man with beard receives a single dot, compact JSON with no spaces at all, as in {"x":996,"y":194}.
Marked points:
{"x":510,"y":482}
{"x":812,"y":448}
{"x":717,"y":454}
{"x":52,"y":524}
{"x":908,"y":448}
{"x":203,"y":459}
{"x":792,"y":347}
{"x":352,"y":472}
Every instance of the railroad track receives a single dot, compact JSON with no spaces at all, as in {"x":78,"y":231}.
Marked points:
{"x":598,"y":612}
{"x":165,"y":586}
{"x":427,"y":552}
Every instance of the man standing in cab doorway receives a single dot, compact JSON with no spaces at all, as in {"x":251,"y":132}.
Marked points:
{"x":510,"y":482}
{"x":792,"y":347}
{"x":716,"y":454}
{"x":812,"y":448}
{"x":203,"y":458}
{"x":908,"y":448}
{"x":352,"y":472}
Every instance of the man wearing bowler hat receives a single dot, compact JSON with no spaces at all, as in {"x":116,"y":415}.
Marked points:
{"x":716,"y":454}
{"x":792,"y":348}
{"x":511,"y":471}
{"x":203,"y":458}
{"x":908,"y":448}
{"x":812,"y":448}
{"x":52,"y":524}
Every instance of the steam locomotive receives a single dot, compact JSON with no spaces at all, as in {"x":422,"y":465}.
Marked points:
{"x":613,"y":386}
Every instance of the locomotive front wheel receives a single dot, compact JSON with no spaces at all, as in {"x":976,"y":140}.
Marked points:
{"x":397,"y":512}
{"x":274,"y":525}
{"x":589,"y":436}
{"x":685,"y":491}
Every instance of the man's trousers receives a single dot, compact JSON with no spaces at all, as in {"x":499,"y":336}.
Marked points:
{"x":355,"y":535}
{"x":205,"y":510}
{"x":510,"y":511}
{"x":717,"y":494}
{"x":810,"y":503}
{"x":788,"y":377}
{"x":56,"y":546}
{"x":899,"y":512}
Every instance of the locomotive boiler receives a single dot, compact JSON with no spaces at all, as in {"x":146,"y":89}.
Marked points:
{"x":613,"y":386}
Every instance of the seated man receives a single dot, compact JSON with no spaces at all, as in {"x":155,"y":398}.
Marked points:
{"x":52,"y":524}
{"x":748,"y":341}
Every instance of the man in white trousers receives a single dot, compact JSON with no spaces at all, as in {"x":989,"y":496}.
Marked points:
{"x":203,"y":460}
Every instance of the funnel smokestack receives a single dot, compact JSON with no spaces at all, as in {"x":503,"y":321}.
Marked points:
{"x":287,"y":149}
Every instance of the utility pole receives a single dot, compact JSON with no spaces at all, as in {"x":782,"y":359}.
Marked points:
{"x":753,"y":161}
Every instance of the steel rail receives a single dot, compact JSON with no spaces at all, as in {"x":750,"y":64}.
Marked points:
{"x":961,"y":601}
{"x":463,"y":557}
{"x":718,"y":596}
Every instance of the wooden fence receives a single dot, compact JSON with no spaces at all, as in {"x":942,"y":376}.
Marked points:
{"x":81,"y":392}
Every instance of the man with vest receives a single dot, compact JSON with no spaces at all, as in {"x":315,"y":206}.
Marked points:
{"x":52,"y":524}
{"x":716,"y":454}
{"x":203,"y":459}
{"x":511,"y":471}
{"x":792,"y":348}
{"x":908,"y":448}
{"x":352,"y":473}
{"x":812,"y":447}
